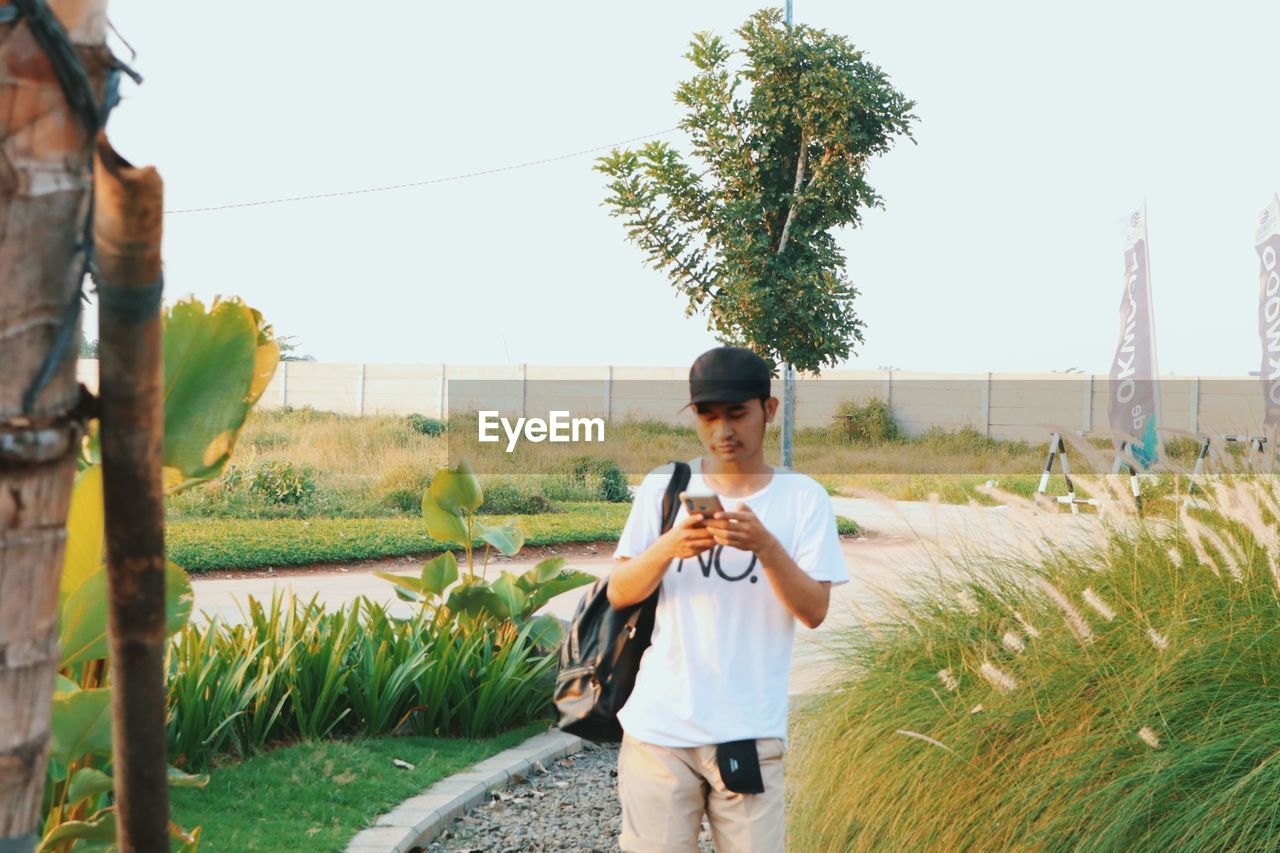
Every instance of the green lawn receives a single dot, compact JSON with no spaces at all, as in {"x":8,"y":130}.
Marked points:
{"x":316,"y":796}
{"x":219,"y":543}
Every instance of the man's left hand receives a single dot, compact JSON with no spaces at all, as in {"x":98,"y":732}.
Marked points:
{"x":741,"y":529}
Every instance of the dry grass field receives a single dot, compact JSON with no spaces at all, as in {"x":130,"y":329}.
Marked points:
{"x":305,"y":463}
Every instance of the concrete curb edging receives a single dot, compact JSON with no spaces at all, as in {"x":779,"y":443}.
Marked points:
{"x":419,"y":819}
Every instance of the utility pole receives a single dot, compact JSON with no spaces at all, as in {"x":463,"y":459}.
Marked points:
{"x":788,"y":377}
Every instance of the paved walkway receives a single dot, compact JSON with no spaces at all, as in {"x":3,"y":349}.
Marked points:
{"x":907,"y":542}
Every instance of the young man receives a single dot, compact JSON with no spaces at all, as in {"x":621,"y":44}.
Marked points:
{"x":732,"y":588}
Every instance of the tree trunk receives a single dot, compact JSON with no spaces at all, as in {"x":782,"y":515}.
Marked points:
{"x":788,"y":371}
{"x":44,"y":197}
{"x":126,"y":232}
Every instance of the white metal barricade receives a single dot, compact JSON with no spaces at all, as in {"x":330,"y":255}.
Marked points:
{"x":1058,"y":450}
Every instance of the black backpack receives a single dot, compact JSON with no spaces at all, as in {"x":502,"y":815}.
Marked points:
{"x":600,"y":653}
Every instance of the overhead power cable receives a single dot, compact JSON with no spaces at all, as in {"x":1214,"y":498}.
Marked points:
{"x":412,"y":184}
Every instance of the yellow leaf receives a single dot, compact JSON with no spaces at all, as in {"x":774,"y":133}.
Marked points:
{"x":265,"y":361}
{"x":85,"y":526}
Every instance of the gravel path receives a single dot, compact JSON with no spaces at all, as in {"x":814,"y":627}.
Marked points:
{"x":572,"y":806}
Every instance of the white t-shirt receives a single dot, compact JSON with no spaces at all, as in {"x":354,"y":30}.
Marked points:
{"x":718,"y":667}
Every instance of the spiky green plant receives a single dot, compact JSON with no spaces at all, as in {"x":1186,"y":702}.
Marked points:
{"x":292,"y":670}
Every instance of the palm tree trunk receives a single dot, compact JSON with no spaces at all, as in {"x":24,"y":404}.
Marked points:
{"x":44,"y":197}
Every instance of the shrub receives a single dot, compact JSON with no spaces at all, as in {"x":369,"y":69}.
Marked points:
{"x":1111,"y":697}
{"x":270,"y":440}
{"x":402,"y":486}
{"x":513,"y":497}
{"x":603,"y":478}
{"x":272,"y":481}
{"x":426,"y":426}
{"x":407,"y":501}
{"x":220,"y":501}
{"x":869,"y":422}
{"x":296,"y":415}
{"x":561,"y":488}
{"x":277,"y":482}
{"x":968,"y":441}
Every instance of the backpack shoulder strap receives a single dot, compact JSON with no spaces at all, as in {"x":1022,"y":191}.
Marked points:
{"x":671,"y":499}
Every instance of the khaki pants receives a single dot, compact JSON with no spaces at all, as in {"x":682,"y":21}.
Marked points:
{"x":665,"y":790}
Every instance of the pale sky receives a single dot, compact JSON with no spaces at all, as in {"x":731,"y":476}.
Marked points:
{"x":1041,"y":128}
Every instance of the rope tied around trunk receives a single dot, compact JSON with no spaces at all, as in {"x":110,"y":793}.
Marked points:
{"x":130,"y":305}
{"x":53,"y":39}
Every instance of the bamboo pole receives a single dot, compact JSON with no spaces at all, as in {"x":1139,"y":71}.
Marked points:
{"x":128,"y":213}
{"x":44,"y":191}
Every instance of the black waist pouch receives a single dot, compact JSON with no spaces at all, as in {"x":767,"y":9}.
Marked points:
{"x":739,"y":764}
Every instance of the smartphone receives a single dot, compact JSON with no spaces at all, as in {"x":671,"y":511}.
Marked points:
{"x":707,"y":504}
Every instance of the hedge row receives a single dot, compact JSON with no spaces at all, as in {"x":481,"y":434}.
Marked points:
{"x":213,"y":544}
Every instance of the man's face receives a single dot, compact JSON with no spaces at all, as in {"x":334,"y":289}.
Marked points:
{"x":733,"y":432}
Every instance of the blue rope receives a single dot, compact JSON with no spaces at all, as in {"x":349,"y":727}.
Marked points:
{"x":52,"y":37}
{"x":129,"y":305}
{"x":22,"y":843}
{"x":49,"y":33}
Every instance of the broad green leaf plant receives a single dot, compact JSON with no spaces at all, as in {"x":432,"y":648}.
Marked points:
{"x":449,"y":509}
{"x":217,"y":362}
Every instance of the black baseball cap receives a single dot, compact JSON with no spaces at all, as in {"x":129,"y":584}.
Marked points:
{"x":728,"y":375}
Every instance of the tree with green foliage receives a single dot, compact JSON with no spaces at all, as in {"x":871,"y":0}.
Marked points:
{"x":88,"y":348}
{"x":781,"y":134}
{"x":289,"y":347}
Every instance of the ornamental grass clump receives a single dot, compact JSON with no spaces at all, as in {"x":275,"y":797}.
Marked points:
{"x":1137,"y":708}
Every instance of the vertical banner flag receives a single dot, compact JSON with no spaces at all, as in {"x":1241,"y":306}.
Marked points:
{"x":1134,"y":393}
{"x":1268,"y":244}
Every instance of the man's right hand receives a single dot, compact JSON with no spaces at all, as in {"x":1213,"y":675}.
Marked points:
{"x":689,"y":538}
{"x":634,"y":579}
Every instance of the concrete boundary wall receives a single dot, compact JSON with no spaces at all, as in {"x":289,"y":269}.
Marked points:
{"x":1002,"y":405}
